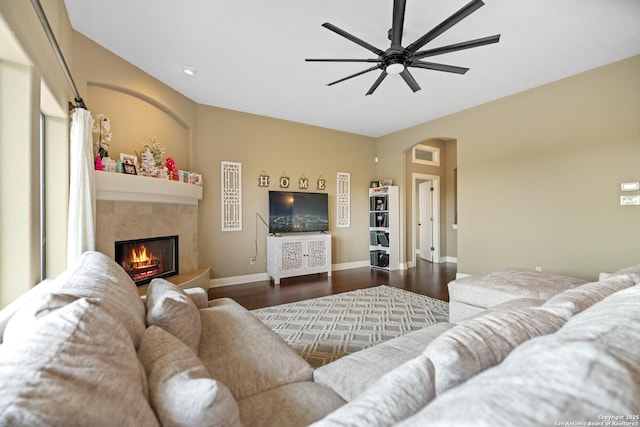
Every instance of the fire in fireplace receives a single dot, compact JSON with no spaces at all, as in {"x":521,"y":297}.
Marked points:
{"x":146,"y":259}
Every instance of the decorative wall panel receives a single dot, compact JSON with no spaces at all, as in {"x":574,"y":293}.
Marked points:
{"x":344,"y":200}
{"x":231,"y":195}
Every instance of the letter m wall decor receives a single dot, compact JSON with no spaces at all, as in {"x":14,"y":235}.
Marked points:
{"x":231,"y":195}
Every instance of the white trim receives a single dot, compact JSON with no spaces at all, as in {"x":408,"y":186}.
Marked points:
{"x":461,"y":275}
{"x":133,"y":188}
{"x":451,"y":259}
{"x":350,"y":265}
{"x":260,"y":277}
{"x":238,"y":280}
{"x":436,"y":209}
{"x":435,"y":155}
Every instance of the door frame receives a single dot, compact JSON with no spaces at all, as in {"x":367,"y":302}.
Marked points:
{"x":416,"y":178}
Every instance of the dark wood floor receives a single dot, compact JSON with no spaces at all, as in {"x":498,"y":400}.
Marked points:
{"x":426,"y":279}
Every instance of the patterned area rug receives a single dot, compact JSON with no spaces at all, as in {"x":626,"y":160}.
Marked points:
{"x":324,"y":329}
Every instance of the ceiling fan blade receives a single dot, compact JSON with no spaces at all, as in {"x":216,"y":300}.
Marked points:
{"x":353,"y":75}
{"x":377,"y":82}
{"x":458,"y":46}
{"x":408,"y":78}
{"x":341,"y":60}
{"x":398,"y":22}
{"x":353,"y":38}
{"x":466,"y":10}
{"x":438,"y":67}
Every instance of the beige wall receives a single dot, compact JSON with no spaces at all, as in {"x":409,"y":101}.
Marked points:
{"x":539,"y":174}
{"x":444,"y":171}
{"x":276,"y":147}
{"x":138,"y":106}
{"x":30,"y":82}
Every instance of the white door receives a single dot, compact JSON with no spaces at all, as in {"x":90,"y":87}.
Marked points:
{"x":425,"y":219}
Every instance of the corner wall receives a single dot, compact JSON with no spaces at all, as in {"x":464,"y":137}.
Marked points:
{"x":539,"y":174}
{"x":276,"y":147}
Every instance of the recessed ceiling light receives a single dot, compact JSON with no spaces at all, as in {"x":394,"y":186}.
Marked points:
{"x":189,"y":70}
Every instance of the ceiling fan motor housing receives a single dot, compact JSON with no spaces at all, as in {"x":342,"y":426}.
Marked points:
{"x":394,"y":57}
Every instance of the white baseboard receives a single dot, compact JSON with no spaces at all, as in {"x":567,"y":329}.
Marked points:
{"x":461,"y":275}
{"x":349,"y":265}
{"x":238,"y":280}
{"x":259,"y":277}
{"x":446,"y":259}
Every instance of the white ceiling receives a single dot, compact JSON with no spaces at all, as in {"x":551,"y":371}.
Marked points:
{"x":249,"y":54}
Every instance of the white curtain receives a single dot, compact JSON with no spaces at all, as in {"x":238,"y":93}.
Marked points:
{"x":82,"y":201}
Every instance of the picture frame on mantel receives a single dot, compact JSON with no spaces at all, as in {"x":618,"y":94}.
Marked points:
{"x":129,"y":169}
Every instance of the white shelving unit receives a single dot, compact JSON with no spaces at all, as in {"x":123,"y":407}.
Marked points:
{"x":298,"y":254}
{"x":384,"y":228}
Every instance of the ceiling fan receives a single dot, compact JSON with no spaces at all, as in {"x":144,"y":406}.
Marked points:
{"x":398,"y":59}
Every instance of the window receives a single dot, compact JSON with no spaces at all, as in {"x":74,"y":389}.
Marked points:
{"x":426,"y":155}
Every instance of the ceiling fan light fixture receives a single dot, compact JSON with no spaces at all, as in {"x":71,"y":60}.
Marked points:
{"x":394,"y":68}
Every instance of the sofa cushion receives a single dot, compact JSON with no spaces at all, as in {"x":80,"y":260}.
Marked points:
{"x":352,"y":374}
{"x":199,"y":296}
{"x":171,"y":309}
{"x":587,"y":370}
{"x":244,"y":354}
{"x":579,"y":299}
{"x":13,"y":307}
{"x":296,"y":404}
{"x":26,"y":320}
{"x":497,"y":286}
{"x":633,"y":272}
{"x":181,"y":391}
{"x":479,"y":343}
{"x":74,"y":366}
{"x":394,"y":397}
{"x":95,"y":275}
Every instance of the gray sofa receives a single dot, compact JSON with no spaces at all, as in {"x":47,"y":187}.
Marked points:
{"x":85,"y":349}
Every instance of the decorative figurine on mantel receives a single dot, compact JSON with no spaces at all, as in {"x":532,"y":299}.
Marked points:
{"x":103,"y":129}
{"x":151,"y":159}
{"x":170,"y":164}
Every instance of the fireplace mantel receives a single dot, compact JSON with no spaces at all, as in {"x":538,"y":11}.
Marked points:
{"x":133,"y":188}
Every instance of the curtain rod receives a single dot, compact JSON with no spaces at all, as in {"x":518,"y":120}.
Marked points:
{"x":56,"y":49}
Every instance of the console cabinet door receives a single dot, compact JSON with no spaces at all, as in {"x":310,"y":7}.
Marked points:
{"x":292,"y":256}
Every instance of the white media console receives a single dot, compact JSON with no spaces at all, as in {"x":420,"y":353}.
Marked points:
{"x":298,"y":254}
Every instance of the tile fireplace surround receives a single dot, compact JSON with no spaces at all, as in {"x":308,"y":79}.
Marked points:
{"x":134,"y":207}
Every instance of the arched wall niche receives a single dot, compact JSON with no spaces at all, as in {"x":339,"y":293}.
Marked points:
{"x":445,"y":168}
{"x":135,"y":118}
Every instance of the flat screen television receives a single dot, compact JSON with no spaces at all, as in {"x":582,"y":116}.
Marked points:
{"x":295,"y":211}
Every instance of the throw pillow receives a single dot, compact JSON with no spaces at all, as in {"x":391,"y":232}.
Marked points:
{"x":180,"y":389}
{"x":397,"y":395}
{"x":199,"y":296}
{"x":24,"y":323}
{"x":479,"y":343}
{"x":579,"y":299}
{"x":95,"y":275}
{"x":243,"y":353}
{"x":77,"y":366}
{"x":170,"y":308}
{"x":13,"y":307}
